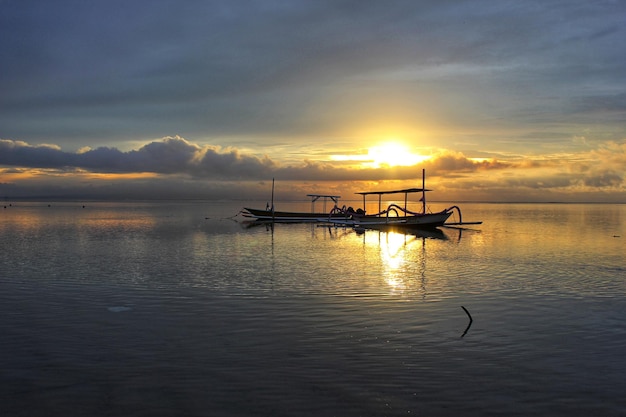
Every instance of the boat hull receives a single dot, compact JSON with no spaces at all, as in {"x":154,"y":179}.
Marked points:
{"x":420,"y":221}
{"x":290,"y":217}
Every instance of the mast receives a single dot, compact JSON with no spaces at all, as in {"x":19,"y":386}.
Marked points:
{"x":423,"y":191}
{"x":272,"y":199}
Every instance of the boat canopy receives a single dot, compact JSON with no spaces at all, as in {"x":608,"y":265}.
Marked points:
{"x":405,"y":191}
{"x":316,"y":197}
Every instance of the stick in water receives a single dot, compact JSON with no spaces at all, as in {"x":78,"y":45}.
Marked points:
{"x":470,"y":322}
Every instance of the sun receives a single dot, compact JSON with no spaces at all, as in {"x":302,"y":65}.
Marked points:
{"x":386,"y":154}
{"x":390,"y":154}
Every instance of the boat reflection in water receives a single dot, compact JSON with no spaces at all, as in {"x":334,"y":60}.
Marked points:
{"x":426,"y":233}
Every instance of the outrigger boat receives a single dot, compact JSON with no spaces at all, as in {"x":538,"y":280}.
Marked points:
{"x":269,"y":214}
{"x":394,"y":216}
{"x":397,"y":216}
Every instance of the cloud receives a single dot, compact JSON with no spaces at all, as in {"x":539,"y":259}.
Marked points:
{"x":127,"y":71}
{"x":175,"y":166}
{"x":611,"y":153}
{"x":612,"y":103}
{"x":231,"y":164}
{"x":172,"y":155}
{"x":175,"y":155}
{"x":604,"y":179}
{"x":445,"y":162}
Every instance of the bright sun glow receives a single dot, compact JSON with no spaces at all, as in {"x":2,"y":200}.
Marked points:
{"x":392,"y":154}
{"x":387,"y":154}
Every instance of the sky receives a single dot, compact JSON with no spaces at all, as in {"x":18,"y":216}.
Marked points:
{"x":497,"y":100}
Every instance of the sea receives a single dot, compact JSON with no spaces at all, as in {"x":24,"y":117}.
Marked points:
{"x":182,"y":308}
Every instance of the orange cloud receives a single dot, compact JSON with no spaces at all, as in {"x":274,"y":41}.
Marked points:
{"x":174,"y":160}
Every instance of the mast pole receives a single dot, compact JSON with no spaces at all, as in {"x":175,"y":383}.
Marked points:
{"x":272,"y":200}
{"x":406,"y":198}
{"x":423,"y":190}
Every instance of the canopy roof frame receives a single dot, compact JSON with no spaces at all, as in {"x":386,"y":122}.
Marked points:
{"x":406,"y":192}
{"x":315,"y":197}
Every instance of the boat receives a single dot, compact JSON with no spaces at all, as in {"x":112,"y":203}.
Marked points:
{"x":396,"y":216}
{"x":269,"y":214}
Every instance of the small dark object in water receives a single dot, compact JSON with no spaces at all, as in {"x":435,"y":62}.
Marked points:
{"x":470,"y":322}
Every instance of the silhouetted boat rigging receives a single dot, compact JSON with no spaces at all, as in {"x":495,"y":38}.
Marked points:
{"x":394,"y":215}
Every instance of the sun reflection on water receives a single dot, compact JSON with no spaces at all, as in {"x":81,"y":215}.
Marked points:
{"x":399,"y":252}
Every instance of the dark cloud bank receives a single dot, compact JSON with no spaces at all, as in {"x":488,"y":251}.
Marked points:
{"x":186,"y":170}
{"x":178,"y":156}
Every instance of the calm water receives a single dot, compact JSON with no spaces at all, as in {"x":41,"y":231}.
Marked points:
{"x":173,"y":309}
